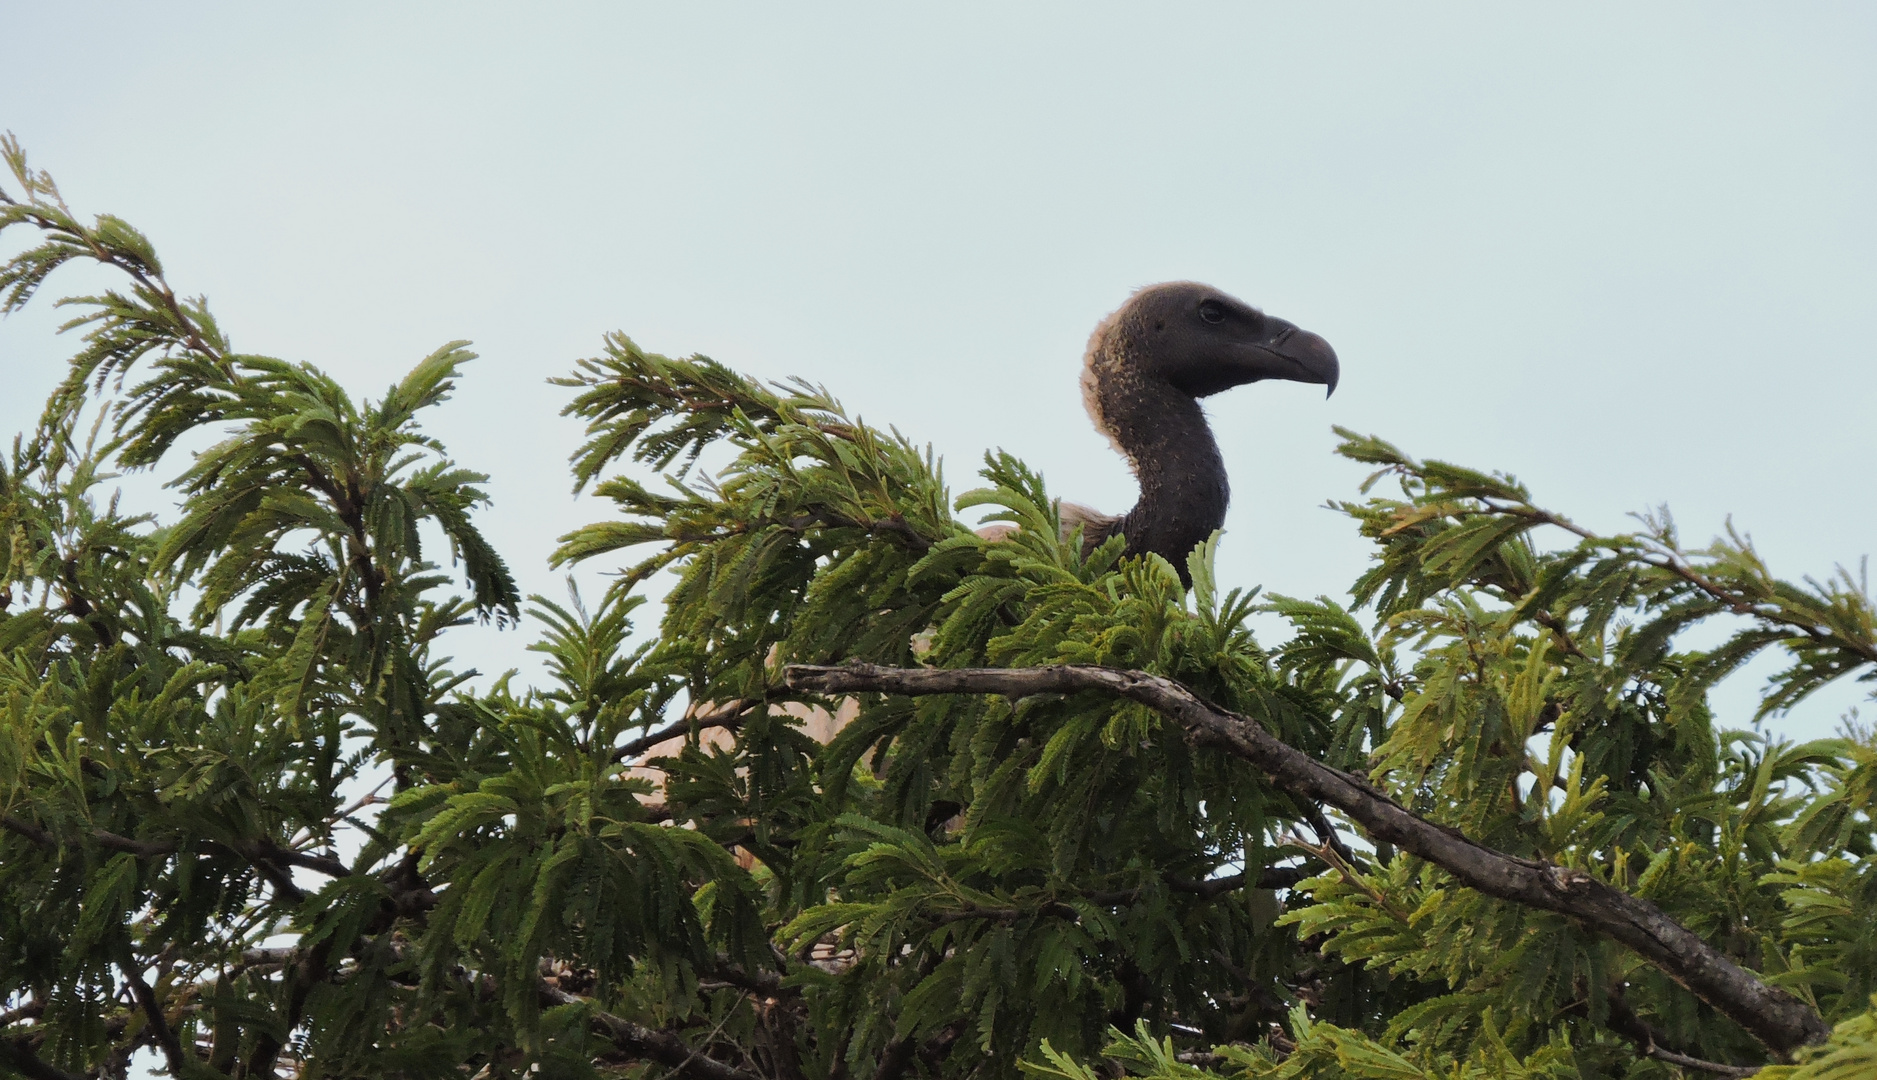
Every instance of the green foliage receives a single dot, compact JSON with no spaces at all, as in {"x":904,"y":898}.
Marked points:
{"x":253,"y":822}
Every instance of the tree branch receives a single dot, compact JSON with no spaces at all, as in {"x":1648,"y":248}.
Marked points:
{"x":1671,"y":559}
{"x":1776,"y":1018}
{"x":17,"y":1055}
{"x":1270,"y":877}
{"x":1651,"y":1042}
{"x":728,"y":715}
{"x":110,"y":841}
{"x":32,"y":1010}
{"x":314,"y":965}
{"x":760,"y":983}
{"x":1003,"y":914}
{"x":266,"y":850}
{"x":160,"y":1030}
{"x":268,"y":858}
{"x":643,"y":1042}
{"x":894,"y":1059}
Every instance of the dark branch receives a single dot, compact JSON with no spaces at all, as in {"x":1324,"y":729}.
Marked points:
{"x":1683,"y":1060}
{"x":643,"y":1042}
{"x":727,"y":715}
{"x":110,"y":841}
{"x":894,"y":1059}
{"x":32,"y":1010}
{"x":1652,"y":1042}
{"x":311,"y":966}
{"x":1667,"y":558}
{"x":275,"y":957}
{"x":1270,"y":877}
{"x":160,"y":1030}
{"x":1326,"y":835}
{"x":1004,"y":914}
{"x":269,"y":859}
{"x":270,"y":852}
{"x":17,"y":1054}
{"x":759,"y":983}
{"x":1773,"y":1016}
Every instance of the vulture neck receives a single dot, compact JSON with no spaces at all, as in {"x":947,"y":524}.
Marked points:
{"x":1164,"y":435}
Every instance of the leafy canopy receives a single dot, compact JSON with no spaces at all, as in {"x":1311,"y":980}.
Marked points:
{"x":254,"y":821}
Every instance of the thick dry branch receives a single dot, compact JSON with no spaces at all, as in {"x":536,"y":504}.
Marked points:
{"x":1773,"y":1016}
{"x":653,"y":1045}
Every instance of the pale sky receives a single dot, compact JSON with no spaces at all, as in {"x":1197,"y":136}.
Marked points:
{"x":1626,"y":252}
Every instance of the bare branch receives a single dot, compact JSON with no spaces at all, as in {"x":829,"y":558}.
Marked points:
{"x":1773,"y":1016}
{"x":274,"y":957}
{"x":269,"y":852}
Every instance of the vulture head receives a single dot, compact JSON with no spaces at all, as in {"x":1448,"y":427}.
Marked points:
{"x":1146,"y":368}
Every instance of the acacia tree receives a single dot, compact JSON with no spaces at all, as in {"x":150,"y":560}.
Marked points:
{"x":1478,"y":822}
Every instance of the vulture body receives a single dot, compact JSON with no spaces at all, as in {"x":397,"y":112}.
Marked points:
{"x":1146,"y":368}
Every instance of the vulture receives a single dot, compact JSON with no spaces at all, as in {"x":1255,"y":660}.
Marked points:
{"x":1146,"y":368}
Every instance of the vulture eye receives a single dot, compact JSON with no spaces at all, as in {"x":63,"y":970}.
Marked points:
{"x":1212,"y":311}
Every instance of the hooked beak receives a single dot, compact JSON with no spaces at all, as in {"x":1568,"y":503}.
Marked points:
{"x":1314,"y":355}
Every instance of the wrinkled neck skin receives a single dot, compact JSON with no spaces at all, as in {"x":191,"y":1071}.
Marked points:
{"x":1164,"y":436}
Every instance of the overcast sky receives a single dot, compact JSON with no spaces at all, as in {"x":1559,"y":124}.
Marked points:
{"x":1626,"y":252}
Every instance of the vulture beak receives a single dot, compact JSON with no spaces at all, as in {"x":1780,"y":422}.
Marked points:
{"x":1310,"y":357}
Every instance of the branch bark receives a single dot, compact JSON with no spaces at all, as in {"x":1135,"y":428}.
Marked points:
{"x":660,"y":1046}
{"x":1779,"y":1020}
{"x":1651,"y":1042}
{"x":165,"y":1036}
{"x":268,"y":858}
{"x":17,"y":1055}
{"x":727,"y":715}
